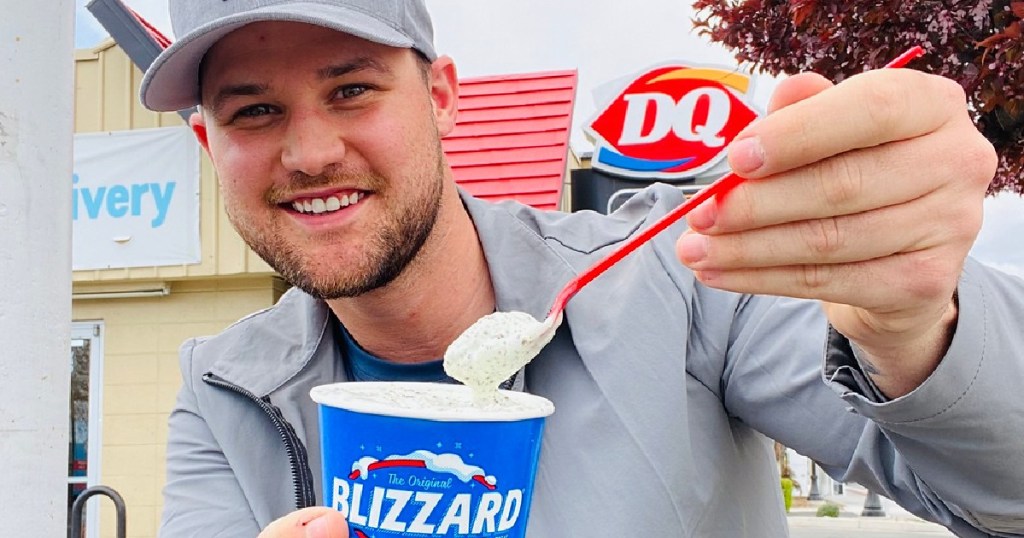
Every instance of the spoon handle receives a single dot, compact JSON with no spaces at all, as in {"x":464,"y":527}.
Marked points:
{"x":722,"y":186}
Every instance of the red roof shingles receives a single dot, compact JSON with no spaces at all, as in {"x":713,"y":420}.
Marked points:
{"x":511,"y":140}
{"x":156,"y":34}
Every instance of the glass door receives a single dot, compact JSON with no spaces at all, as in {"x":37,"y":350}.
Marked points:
{"x":85,"y":417}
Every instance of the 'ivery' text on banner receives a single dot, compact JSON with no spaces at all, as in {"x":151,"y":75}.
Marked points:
{"x":135,"y":199}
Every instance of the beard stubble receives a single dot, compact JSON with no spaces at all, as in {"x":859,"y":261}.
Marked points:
{"x":392,"y":247}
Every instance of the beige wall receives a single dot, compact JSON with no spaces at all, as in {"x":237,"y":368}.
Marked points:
{"x":141,"y":379}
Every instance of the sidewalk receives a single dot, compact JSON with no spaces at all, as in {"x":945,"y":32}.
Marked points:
{"x":865,"y":527}
{"x":803,"y":514}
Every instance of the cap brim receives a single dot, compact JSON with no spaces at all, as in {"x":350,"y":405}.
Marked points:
{"x":172,"y":82}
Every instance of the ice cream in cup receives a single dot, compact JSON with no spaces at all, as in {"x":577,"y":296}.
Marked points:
{"x":425,"y":459}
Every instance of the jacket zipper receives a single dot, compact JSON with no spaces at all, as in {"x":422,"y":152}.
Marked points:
{"x":302,"y":478}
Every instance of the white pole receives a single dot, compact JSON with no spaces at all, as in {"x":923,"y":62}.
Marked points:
{"x":36,"y":107}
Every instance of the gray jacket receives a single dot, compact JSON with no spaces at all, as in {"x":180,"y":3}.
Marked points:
{"x":665,"y":391}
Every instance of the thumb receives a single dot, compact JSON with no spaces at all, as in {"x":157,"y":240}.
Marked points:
{"x":797,"y":88}
{"x":314,"y":522}
{"x":330,"y":524}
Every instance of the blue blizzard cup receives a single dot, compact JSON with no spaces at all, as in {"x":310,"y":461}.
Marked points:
{"x":420,"y":460}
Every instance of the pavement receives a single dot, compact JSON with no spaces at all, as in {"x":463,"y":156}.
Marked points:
{"x":896,"y":522}
{"x":829,"y":527}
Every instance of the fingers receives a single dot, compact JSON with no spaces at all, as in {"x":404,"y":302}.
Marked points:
{"x":816,"y":241}
{"x":797,"y":88}
{"x":314,"y":522}
{"x":865,"y":111}
{"x":792,"y":235}
{"x":898,"y":286}
{"x":850,"y":183}
{"x":845,"y":259}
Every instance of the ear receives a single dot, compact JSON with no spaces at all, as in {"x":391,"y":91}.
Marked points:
{"x":444,"y":92}
{"x":198,"y":125}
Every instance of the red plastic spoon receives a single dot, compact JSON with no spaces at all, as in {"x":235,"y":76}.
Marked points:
{"x":719,"y":187}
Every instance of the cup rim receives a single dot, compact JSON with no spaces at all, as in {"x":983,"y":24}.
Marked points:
{"x":340,"y":396}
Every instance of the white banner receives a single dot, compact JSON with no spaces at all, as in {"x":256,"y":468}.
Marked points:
{"x":135,"y":199}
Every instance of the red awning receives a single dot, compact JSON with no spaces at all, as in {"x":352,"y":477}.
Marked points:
{"x":511,"y":140}
{"x":157,"y":35}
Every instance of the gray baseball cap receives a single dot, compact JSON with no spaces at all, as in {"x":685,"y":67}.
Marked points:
{"x":172,"y":81}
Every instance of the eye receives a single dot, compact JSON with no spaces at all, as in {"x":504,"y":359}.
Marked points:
{"x":352,"y":91}
{"x":254,"y":111}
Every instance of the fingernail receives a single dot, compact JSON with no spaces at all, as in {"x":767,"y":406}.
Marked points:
{"x":703,"y":216}
{"x":746,"y":155}
{"x":692,"y":248}
{"x":707,"y":277}
{"x":318,"y":528}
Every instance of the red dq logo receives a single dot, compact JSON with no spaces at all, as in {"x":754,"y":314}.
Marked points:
{"x":671,"y":122}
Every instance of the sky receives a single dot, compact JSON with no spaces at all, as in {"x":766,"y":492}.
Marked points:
{"x":605,"y":40}
{"x":1001,"y":241}
{"x":88,"y":31}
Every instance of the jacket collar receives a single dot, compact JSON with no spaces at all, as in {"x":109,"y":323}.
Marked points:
{"x":272,"y":346}
{"x":519,"y":258}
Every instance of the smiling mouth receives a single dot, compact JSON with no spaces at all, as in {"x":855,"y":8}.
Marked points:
{"x":329,"y":204}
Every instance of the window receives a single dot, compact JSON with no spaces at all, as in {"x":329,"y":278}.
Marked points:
{"x":85,"y":417}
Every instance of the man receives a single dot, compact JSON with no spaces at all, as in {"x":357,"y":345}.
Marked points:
{"x":323,"y":120}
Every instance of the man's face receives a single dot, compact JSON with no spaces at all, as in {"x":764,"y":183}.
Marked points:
{"x":328,"y":152}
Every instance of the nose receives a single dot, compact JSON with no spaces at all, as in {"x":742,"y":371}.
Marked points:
{"x":311,"y":143}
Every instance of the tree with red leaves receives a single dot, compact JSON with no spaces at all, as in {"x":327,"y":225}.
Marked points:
{"x":978,"y":43}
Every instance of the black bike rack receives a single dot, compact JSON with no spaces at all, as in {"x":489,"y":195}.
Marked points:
{"x":75,"y":525}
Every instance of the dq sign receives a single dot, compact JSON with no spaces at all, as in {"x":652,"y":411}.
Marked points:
{"x":671,"y":122}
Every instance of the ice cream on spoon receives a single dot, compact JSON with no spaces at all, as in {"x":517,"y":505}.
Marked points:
{"x":494,"y":348}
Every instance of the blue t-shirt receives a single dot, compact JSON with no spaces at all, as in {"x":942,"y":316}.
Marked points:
{"x":360,"y":365}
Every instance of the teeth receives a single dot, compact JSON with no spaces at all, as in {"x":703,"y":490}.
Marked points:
{"x":317,"y":206}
